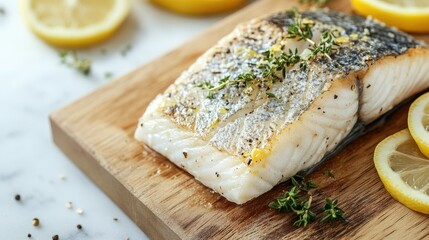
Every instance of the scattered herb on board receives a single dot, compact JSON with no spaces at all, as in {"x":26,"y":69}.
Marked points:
{"x":303,"y":184}
{"x":332,"y":212}
{"x":55,"y":237}
{"x":318,"y":3}
{"x":329,"y":173}
{"x":287,"y":202}
{"x":294,"y":201}
{"x":70,"y":58}
{"x":300,"y":204}
{"x":304,"y":213}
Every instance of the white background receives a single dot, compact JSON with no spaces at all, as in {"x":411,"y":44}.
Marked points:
{"x":33,"y":84}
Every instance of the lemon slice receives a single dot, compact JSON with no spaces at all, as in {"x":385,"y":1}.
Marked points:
{"x":404,"y":170}
{"x":408,"y":15}
{"x":74,"y":23}
{"x":418,"y":123}
{"x":199,"y":7}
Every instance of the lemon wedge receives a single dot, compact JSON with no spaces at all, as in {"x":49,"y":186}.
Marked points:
{"x":418,"y":123}
{"x":199,"y":7}
{"x":408,"y":15}
{"x":75,"y":23}
{"x":404,"y":170}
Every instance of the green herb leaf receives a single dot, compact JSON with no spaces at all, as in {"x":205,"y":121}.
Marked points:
{"x":333,"y":212}
{"x":304,"y":214}
{"x":324,"y":46}
{"x":329,"y":173}
{"x":304,"y":185}
{"x":273,"y":66}
{"x":292,"y":201}
{"x":206,"y":86}
{"x":271,"y":95}
{"x":300,"y":29}
{"x":71,"y":59}
{"x":83,"y":66}
{"x":287,"y":202}
{"x":108,"y":74}
{"x":246,"y":76}
{"x":63,"y":54}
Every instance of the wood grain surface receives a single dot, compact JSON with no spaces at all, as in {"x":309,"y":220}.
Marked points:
{"x":96,"y":132}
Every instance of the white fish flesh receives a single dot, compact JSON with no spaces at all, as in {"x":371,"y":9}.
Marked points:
{"x":242,"y":134}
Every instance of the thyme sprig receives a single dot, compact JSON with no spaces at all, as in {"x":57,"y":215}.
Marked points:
{"x":301,"y":29}
{"x":273,"y":66}
{"x":278,"y":62}
{"x":304,"y":213}
{"x":294,"y":201}
{"x":302,"y":183}
{"x":287,"y":202}
{"x":241,"y":78}
{"x":329,"y":173}
{"x":207,"y":86}
{"x":325,"y":45}
{"x":332,"y":212}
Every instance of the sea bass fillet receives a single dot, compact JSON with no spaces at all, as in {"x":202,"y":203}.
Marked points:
{"x":268,"y":101}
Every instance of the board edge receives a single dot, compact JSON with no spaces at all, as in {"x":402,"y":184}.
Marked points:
{"x":111,"y":186}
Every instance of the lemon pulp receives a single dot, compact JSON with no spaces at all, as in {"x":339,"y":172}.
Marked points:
{"x":404,"y":170}
{"x":408,"y":15}
{"x":74,"y":23}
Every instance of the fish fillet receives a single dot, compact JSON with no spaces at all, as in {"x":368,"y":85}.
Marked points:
{"x":244,"y":138}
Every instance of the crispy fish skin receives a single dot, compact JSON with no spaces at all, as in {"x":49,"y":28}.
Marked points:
{"x":241,"y":142}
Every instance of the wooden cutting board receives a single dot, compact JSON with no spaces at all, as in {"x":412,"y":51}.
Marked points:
{"x":96,"y":132}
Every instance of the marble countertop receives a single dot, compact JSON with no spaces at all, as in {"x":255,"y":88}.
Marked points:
{"x":33,"y":84}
